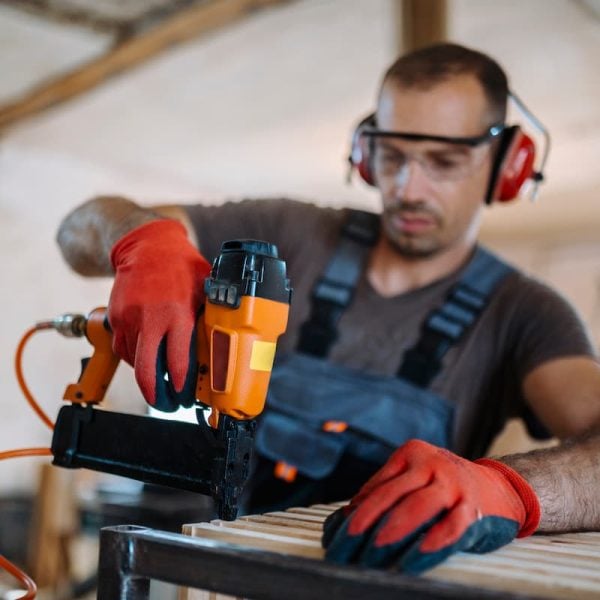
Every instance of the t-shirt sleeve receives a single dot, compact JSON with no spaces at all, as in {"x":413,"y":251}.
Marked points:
{"x":286,"y":223}
{"x":232,"y":220}
{"x":546,"y":326}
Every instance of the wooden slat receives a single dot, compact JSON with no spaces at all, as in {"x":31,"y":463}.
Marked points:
{"x":297,"y":532}
{"x":317,"y":512}
{"x":184,"y":25}
{"x":296,"y":516}
{"x":274,"y":519}
{"x":258,"y":538}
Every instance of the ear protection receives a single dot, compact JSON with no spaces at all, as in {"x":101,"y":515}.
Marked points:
{"x":360,"y":155}
{"x":513,"y":164}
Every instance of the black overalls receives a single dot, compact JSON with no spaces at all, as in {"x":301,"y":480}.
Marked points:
{"x":327,"y":428}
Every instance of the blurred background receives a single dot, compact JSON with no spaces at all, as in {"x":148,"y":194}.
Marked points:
{"x":182,"y":101}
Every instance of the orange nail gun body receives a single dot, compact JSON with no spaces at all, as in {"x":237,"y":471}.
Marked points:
{"x":246,"y":309}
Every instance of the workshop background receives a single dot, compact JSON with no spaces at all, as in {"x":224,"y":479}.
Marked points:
{"x":258,"y":103}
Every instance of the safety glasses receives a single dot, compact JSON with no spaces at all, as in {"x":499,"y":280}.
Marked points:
{"x":444,"y":159}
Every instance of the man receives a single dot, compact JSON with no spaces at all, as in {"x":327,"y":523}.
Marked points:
{"x":403,"y":334}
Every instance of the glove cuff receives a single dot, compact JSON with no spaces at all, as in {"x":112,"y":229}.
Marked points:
{"x":531,"y":503}
{"x":147,"y":231}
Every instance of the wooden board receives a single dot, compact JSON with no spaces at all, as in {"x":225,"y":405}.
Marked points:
{"x":565,"y":566}
{"x":54,"y":526}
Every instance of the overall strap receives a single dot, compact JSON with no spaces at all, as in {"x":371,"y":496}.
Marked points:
{"x":446,"y":325}
{"x":333,"y":291}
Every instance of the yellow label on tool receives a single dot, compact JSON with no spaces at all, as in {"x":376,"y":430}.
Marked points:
{"x":263,"y":354}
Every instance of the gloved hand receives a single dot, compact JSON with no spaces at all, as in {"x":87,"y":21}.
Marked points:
{"x":426,"y":503}
{"x":154,"y":303}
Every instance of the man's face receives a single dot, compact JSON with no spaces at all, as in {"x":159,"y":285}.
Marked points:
{"x":432,"y":192}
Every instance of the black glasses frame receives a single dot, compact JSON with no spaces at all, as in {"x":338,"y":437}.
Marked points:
{"x":472,"y":141}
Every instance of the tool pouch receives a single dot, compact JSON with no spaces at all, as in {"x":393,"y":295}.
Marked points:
{"x":374,"y":415}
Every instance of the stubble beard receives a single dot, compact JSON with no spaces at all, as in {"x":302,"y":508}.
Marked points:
{"x":412,"y":246}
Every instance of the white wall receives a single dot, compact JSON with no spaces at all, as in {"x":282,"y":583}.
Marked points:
{"x":262,"y":107}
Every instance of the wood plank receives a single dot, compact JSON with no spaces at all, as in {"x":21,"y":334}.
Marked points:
{"x":327,"y":507}
{"x":533,"y":568}
{"x":275,"y":520}
{"x":297,"y":532}
{"x":294,"y":516}
{"x":507,"y":583}
{"x":262,"y":540}
{"x":317,"y":512}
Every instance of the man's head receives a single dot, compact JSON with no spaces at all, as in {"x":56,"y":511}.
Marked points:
{"x":433,"y":191}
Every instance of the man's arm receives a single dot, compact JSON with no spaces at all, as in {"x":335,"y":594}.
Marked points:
{"x":88,"y":233}
{"x":157,"y":291}
{"x":566,"y":479}
{"x":565,"y":394}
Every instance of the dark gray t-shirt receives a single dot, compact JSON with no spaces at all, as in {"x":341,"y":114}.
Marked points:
{"x":525,"y":324}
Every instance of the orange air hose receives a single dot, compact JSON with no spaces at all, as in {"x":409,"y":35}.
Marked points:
{"x":25,"y":452}
{"x":24,"y":579}
{"x":21,"y":576}
{"x":19,"y":373}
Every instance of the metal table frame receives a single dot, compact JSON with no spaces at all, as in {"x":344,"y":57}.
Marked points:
{"x":131,"y":556}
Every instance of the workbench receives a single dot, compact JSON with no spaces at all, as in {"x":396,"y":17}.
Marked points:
{"x":279,"y":555}
{"x":131,"y":556}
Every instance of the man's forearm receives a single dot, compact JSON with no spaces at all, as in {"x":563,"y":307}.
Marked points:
{"x":87,"y":234}
{"x":566,"y":479}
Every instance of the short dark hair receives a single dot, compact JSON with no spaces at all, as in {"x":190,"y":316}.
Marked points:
{"x":428,"y":66}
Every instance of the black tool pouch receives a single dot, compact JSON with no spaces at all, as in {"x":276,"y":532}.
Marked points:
{"x":376,"y":415}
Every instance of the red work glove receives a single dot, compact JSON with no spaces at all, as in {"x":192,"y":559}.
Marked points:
{"x":426,"y":503}
{"x":154,"y":303}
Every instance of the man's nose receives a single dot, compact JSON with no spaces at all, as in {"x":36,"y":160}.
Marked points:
{"x":411,"y":181}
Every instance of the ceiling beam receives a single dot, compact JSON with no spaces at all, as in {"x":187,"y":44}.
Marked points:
{"x":420,"y":23}
{"x":184,"y":25}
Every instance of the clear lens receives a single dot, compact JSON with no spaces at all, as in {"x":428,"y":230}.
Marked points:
{"x":440,"y":162}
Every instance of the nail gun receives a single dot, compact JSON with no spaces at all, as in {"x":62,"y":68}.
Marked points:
{"x":245,"y":311}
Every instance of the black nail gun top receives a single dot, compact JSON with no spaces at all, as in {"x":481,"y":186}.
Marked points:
{"x":247,"y":268}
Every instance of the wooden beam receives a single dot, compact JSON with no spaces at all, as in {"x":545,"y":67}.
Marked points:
{"x":183,"y":26}
{"x":420,"y":23}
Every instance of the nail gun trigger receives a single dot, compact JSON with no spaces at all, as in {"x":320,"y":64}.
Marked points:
{"x":206,"y":431}
{"x":84,"y":363}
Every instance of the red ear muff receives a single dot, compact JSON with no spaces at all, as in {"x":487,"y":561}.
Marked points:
{"x":360,"y":152}
{"x":514,"y":166}
{"x":363,"y":166}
